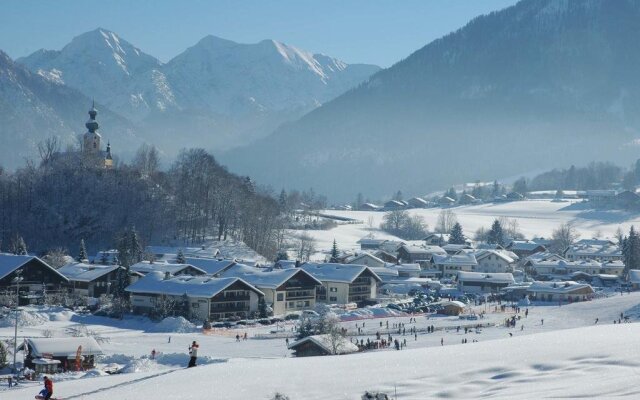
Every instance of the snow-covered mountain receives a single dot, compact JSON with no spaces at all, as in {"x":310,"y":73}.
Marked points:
{"x":216,"y":94}
{"x":234,"y":78}
{"x":34,"y":107}
{"x":541,"y":84}
{"x":102,"y":65}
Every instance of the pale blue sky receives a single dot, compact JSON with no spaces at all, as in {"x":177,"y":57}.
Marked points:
{"x":371,"y":31}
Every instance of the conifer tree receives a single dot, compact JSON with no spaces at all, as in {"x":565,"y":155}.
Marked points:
{"x":82,"y":255}
{"x":496,"y":235}
{"x":631,"y":251}
{"x":334,"y":252}
{"x":21,"y":247}
{"x":456,"y":235}
{"x":180,"y":257}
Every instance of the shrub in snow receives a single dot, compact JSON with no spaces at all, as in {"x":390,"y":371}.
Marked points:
{"x":375,"y":396}
{"x":280,"y":396}
{"x":174,"y":325}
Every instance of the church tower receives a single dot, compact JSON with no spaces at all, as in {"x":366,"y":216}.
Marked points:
{"x":91,"y":140}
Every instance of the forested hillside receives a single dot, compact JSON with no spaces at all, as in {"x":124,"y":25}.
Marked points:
{"x":66,"y":199}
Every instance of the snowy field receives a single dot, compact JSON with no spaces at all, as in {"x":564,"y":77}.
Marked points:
{"x":535,"y":218}
{"x":566,"y":355}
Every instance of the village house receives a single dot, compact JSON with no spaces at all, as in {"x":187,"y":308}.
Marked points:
{"x":568,"y":291}
{"x":369,"y":207}
{"x":594,"y":249}
{"x":194,"y":297}
{"x":144,"y":267}
{"x":34,"y":273}
{"x":93,"y":280}
{"x":286,"y":290}
{"x":421,"y":255}
{"x":525,"y":248}
{"x":385,"y":256}
{"x":343,"y":283}
{"x":322,"y":345}
{"x":391,"y":246}
{"x":417,"y":202}
{"x":495,"y":261}
{"x":367,"y":243}
{"x":476,"y":282}
{"x":449,"y":265}
{"x":445,"y":201}
{"x":394,"y":205}
{"x":53,"y":355}
{"x":436,"y":239}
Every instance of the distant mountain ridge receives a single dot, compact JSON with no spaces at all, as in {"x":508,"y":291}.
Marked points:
{"x":542,"y":83}
{"x":217,"y":94}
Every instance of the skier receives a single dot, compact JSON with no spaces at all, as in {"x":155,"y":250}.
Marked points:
{"x":193,"y":352}
{"x":153,"y":354}
{"x":596,"y":320}
{"x":47,"y":392}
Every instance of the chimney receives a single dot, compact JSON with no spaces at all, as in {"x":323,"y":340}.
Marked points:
{"x":297,"y":263}
{"x":167,"y":275}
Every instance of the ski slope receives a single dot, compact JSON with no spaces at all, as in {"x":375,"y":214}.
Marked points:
{"x":566,"y":355}
{"x":535,"y":218}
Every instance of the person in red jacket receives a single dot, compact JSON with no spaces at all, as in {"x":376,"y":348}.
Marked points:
{"x":48,"y":386}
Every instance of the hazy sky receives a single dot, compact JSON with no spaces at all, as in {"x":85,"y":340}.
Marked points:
{"x":370,"y":31}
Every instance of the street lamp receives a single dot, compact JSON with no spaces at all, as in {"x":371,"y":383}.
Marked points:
{"x":17,"y":280}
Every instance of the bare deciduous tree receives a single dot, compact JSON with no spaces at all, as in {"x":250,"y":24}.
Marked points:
{"x":446,"y":220}
{"x":563,"y":237}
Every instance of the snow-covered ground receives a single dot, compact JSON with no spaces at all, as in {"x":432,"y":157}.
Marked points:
{"x":566,"y":355}
{"x":535,"y":218}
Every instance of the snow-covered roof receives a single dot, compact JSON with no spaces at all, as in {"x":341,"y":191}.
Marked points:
{"x":505,"y":255}
{"x":371,"y":241}
{"x":63,"y":347}
{"x":523,"y":245}
{"x":416,"y":250}
{"x":209,"y":265}
{"x":634,"y":276}
{"x":594,"y":250}
{"x":145,"y":267}
{"x":261,"y":277}
{"x":355,"y":259}
{"x":544,"y":256}
{"x":455,"y":247}
{"x":558,"y":287}
{"x":342,"y":344}
{"x":440,"y":236}
{"x":385,"y":273}
{"x":453,"y":303}
{"x":11,"y":262}
{"x":485,"y":277}
{"x":192,"y":286}
{"x":455,"y":259}
{"x":563,"y":264}
{"x":82,"y":272}
{"x":329,"y":272}
{"x":404,"y":267}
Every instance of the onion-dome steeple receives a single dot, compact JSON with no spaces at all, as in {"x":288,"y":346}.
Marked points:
{"x":92,"y":124}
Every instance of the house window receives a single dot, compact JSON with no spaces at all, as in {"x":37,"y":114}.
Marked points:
{"x":292,"y":304}
{"x":299,"y":304}
{"x":333,"y":298}
{"x":306,"y":303}
{"x":333,"y":289}
{"x":280,"y":297}
{"x":195,"y":305}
